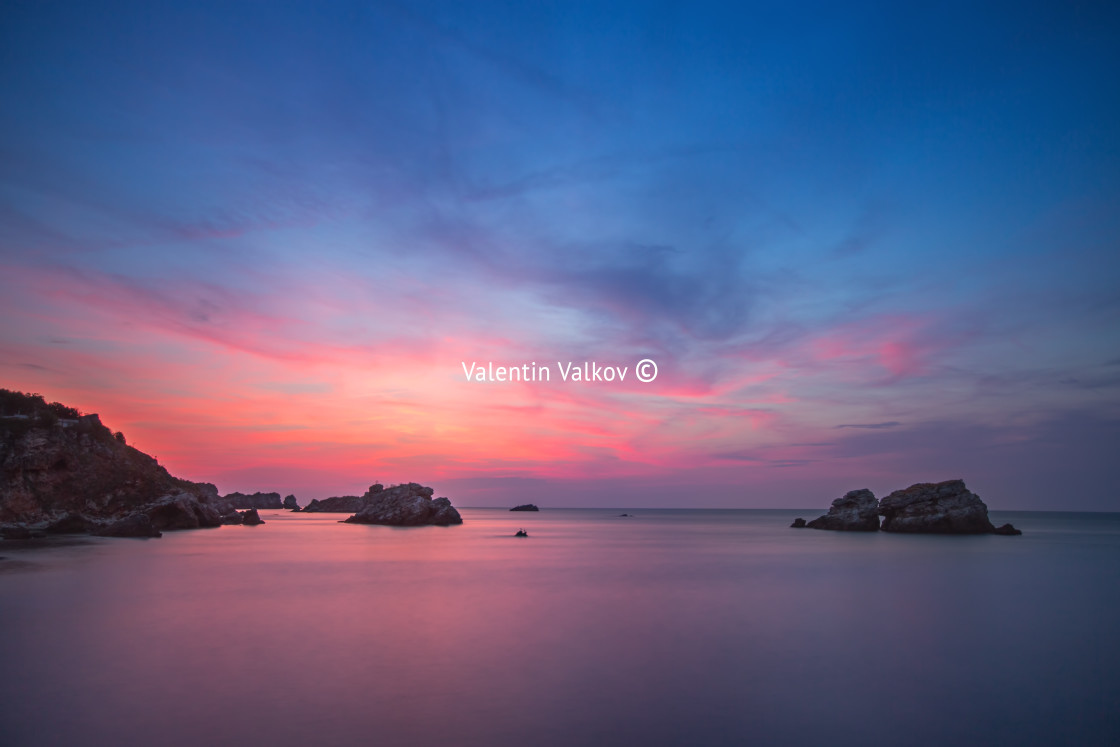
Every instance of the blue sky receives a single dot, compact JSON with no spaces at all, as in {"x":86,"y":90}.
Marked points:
{"x":813,"y":217}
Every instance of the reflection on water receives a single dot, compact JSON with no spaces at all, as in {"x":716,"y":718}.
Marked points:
{"x":671,"y":627}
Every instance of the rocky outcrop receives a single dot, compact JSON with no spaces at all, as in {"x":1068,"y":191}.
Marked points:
{"x":182,"y":511}
{"x":857,"y":511}
{"x":72,"y":524}
{"x":20,"y":532}
{"x":405,"y":506}
{"x":251,"y":518}
{"x":137,"y":525}
{"x":243,"y":501}
{"x":66,"y":472}
{"x":231,"y":516}
{"x":937,"y":508}
{"x":291,"y":503}
{"x":341,"y":504}
{"x":927,"y":508}
{"x":525,"y":507}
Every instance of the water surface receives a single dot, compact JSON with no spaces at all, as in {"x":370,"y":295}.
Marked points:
{"x":670,"y":627}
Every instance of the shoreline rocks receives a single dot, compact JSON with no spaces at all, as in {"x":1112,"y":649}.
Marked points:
{"x":856,"y":511}
{"x":137,"y":525}
{"x":182,"y":511}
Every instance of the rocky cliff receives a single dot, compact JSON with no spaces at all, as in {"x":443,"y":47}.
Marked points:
{"x":71,"y":474}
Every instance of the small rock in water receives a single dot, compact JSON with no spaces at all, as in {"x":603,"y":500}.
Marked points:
{"x":251,"y":518}
{"x":798,"y":523}
{"x":521,"y":533}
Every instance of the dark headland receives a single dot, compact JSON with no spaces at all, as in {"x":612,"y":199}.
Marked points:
{"x":64,"y":472}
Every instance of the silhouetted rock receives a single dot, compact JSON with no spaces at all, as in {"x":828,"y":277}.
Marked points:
{"x":798,"y":524}
{"x":256,"y":500}
{"x":291,"y":503}
{"x":521,"y":533}
{"x":405,"y":505}
{"x":137,"y":525}
{"x":72,"y":524}
{"x":20,"y":532}
{"x":525,"y":507}
{"x":1008,"y":530}
{"x":857,"y":511}
{"x":182,"y":511}
{"x":232,"y":516}
{"x":251,"y":518}
{"x":938,"y":508}
{"x":341,"y":504}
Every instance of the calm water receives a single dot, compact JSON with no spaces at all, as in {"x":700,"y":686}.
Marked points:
{"x":673,"y":627}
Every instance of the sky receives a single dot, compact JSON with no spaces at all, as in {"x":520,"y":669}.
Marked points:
{"x":866,"y":245}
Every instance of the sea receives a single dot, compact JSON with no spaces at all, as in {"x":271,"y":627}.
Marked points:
{"x":665,"y":627}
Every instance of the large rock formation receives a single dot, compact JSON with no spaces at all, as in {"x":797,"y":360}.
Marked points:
{"x":525,"y":507}
{"x":857,"y":511}
{"x":939,"y":508}
{"x":405,"y":506}
{"x":68,"y":472}
{"x":242,"y":501}
{"x":291,"y":503}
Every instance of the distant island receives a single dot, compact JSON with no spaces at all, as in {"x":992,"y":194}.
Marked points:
{"x":64,"y":472}
{"x":262,"y":501}
{"x":525,"y":507}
